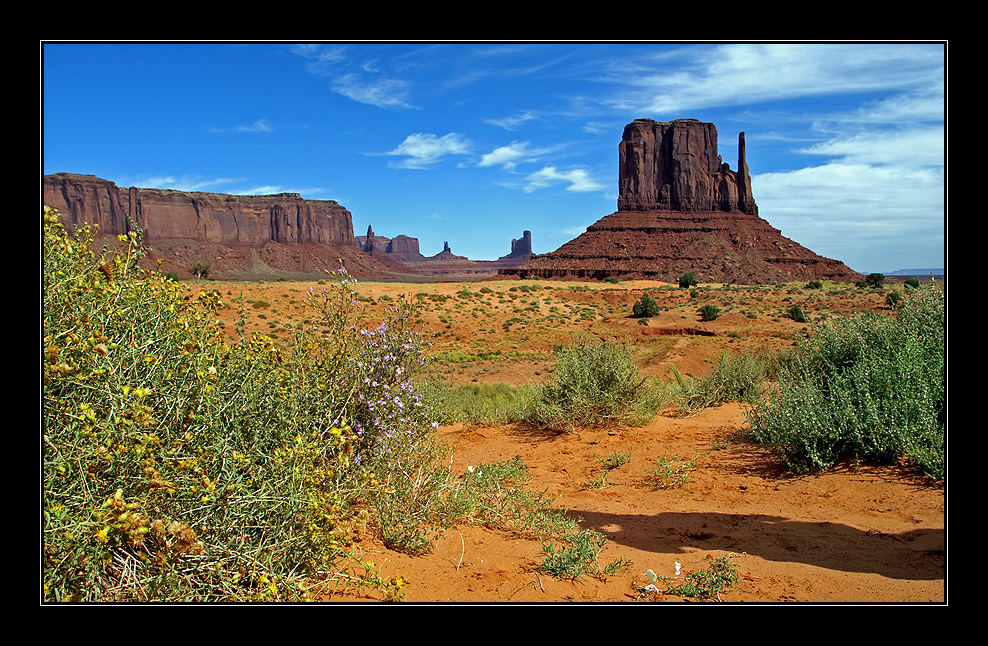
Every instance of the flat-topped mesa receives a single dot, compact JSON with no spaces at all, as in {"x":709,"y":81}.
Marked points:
{"x":207,"y":217}
{"x":675,"y":166}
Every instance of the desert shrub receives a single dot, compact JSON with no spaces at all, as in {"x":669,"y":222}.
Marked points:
{"x":875,"y":280}
{"x":739,"y":377}
{"x":645,"y":307}
{"x":814,"y":284}
{"x":594,"y":385}
{"x":200,"y":269}
{"x":894,"y":299}
{"x":797,"y":314}
{"x":709,"y":313}
{"x":868,"y":387}
{"x":688,"y":279}
{"x":177,"y":467}
{"x":912,"y":282}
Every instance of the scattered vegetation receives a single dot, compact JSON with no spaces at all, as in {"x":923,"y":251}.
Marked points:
{"x":739,"y":377}
{"x":719,"y":576}
{"x":670,"y":472}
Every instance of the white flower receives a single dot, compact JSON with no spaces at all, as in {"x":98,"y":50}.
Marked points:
{"x":652,"y":576}
{"x":678,"y":565}
{"x":470,"y":469}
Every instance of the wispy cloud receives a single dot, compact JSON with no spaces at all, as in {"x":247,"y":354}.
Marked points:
{"x":578,"y":180}
{"x":509,"y":156}
{"x":260,"y":125}
{"x":391,"y":94}
{"x":512,"y":122}
{"x":359,"y":80}
{"x":915,"y":147}
{"x":180,"y":183}
{"x":225,"y":185}
{"x":731,"y":75}
{"x":421,"y":150}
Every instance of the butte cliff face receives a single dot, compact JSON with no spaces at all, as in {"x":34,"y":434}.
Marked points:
{"x":681,"y":209}
{"x":241,"y":236}
{"x":208,"y":217}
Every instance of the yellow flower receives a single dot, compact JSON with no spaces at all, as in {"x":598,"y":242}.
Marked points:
{"x":103,"y":535}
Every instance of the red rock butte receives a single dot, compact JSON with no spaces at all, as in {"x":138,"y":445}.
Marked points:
{"x":682,"y":209}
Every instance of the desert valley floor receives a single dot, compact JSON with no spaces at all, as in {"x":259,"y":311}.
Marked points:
{"x":855,"y":534}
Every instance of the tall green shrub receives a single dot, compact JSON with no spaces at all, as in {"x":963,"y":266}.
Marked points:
{"x":645,"y":307}
{"x":870,"y":387}
{"x":688,"y":279}
{"x":594,"y":385}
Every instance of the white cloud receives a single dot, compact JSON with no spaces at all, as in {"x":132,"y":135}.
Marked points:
{"x":183,"y":183}
{"x":511,"y":123}
{"x":509,"y":156}
{"x":915,"y":147}
{"x":260,"y":125}
{"x":740,"y":74}
{"x":579,"y":180}
{"x":382,"y":93}
{"x":423,"y":149}
{"x":872,"y":217}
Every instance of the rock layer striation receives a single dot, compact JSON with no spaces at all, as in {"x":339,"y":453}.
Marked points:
{"x":240,"y":236}
{"x":207,"y":217}
{"x":681,"y":209}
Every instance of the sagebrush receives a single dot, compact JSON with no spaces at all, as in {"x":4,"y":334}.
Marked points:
{"x":865,"y":387}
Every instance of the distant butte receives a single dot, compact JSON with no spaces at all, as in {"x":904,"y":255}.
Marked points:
{"x":682,"y":209}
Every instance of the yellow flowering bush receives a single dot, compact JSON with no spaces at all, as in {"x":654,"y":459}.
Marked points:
{"x":178,"y":466}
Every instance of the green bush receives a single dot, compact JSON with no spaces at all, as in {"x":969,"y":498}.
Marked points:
{"x":594,"y":385}
{"x":814,"y":284}
{"x":869,"y":387}
{"x":739,"y":377}
{"x":688,"y":279}
{"x":646,"y":307}
{"x":875,"y":280}
{"x":894,"y":299}
{"x":709,"y":313}
{"x":797,"y":314}
{"x":200,"y":269}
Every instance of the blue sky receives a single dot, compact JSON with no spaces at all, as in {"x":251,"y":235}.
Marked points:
{"x":473,"y":143}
